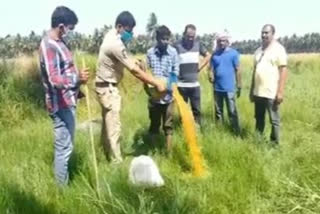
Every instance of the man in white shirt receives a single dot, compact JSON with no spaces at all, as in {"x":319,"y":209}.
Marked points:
{"x":268,"y":81}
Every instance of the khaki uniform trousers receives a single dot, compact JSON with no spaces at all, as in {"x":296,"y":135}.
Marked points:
{"x":110,"y":101}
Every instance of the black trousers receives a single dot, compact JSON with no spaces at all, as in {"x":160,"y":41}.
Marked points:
{"x":192,"y":94}
{"x":261,"y":105}
{"x":161,"y":113}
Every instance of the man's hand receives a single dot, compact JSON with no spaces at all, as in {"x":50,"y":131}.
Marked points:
{"x":238,"y":92}
{"x":279,"y":98}
{"x":210,"y":76}
{"x":84,"y":75}
{"x":251,"y":96}
{"x":160,"y":86}
{"x":142,"y":64}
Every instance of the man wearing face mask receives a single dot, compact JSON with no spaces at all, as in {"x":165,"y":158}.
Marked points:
{"x":163,"y":61}
{"x":226,"y":79}
{"x":113,"y":58}
{"x":61,"y":81}
{"x":268,"y":81}
{"x":189,"y":50}
{"x":67,"y":36}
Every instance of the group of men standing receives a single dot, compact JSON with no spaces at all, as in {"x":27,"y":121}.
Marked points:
{"x":62,"y":80}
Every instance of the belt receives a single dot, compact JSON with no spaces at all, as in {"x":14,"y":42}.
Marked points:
{"x":105,"y":84}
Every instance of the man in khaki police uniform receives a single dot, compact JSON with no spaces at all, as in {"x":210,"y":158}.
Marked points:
{"x":113,"y":58}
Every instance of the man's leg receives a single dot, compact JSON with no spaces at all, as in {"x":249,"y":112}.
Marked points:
{"x":103,"y":94}
{"x":113,"y":124}
{"x":274,"y":116}
{"x":167,"y":119}
{"x":260,"y":105}
{"x":110,"y":100}
{"x":195,"y":100}
{"x":64,"y":125}
{"x":184,"y":93}
{"x":103,"y":138}
{"x":218,"y":104}
{"x":232,"y":112}
{"x":155,"y":120}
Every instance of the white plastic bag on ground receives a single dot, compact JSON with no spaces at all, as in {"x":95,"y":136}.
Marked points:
{"x":144,"y":172}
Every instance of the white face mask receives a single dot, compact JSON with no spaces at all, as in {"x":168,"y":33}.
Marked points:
{"x":67,"y":36}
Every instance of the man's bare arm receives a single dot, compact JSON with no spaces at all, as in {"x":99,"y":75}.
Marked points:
{"x":283,"y":74}
{"x":252,"y":83}
{"x":204,"y":62}
{"x":147,"y":78}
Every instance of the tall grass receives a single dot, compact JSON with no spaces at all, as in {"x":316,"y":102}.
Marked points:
{"x":245,"y":174}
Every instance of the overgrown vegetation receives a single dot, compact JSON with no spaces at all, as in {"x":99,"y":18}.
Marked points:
{"x":245,"y":175}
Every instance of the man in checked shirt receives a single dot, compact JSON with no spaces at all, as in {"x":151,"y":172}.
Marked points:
{"x":163,"y":60}
{"x":61,"y":81}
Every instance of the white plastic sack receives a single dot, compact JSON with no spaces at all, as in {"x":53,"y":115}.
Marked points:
{"x":144,"y":172}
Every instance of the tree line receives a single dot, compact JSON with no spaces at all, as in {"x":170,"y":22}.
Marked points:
{"x":15,"y":45}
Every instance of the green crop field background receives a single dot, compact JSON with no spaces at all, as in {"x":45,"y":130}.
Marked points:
{"x":244,"y":174}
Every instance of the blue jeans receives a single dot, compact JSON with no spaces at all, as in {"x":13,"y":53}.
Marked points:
{"x":64,"y":126}
{"x":230,"y":99}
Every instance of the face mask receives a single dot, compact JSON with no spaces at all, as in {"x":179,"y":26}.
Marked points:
{"x":126,"y":36}
{"x":162,"y":47}
{"x":188,"y":44}
{"x":67,"y":36}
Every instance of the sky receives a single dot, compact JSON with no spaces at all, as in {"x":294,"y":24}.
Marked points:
{"x":243,"y":19}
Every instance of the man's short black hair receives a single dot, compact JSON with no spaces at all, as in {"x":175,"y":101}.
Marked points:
{"x":162,"y":31}
{"x":63,"y":15}
{"x":273,"y":29}
{"x":189,"y":26}
{"x":125,"y":19}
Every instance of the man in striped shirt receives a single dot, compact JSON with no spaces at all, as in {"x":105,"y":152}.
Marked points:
{"x":189,"y":50}
{"x":61,"y":81}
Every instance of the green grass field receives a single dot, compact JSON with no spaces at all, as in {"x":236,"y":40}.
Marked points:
{"x":245,"y":175}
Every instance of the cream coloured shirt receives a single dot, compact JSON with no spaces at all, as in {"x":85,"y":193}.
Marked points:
{"x":267,"y":64}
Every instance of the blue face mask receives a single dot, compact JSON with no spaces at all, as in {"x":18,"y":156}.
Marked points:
{"x":126,"y":36}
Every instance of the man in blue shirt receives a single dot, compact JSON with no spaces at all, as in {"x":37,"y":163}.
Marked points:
{"x":226,"y":77}
{"x":163,"y":61}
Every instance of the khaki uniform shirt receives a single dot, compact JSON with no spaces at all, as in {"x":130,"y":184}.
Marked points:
{"x":113,"y":57}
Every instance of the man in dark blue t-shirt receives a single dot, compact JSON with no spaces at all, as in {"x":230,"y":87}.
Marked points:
{"x":226,"y":79}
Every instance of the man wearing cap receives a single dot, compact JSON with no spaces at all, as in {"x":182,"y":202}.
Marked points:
{"x":189,"y":50}
{"x":226,"y":80}
{"x":113,"y":58}
{"x":268,"y":81}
